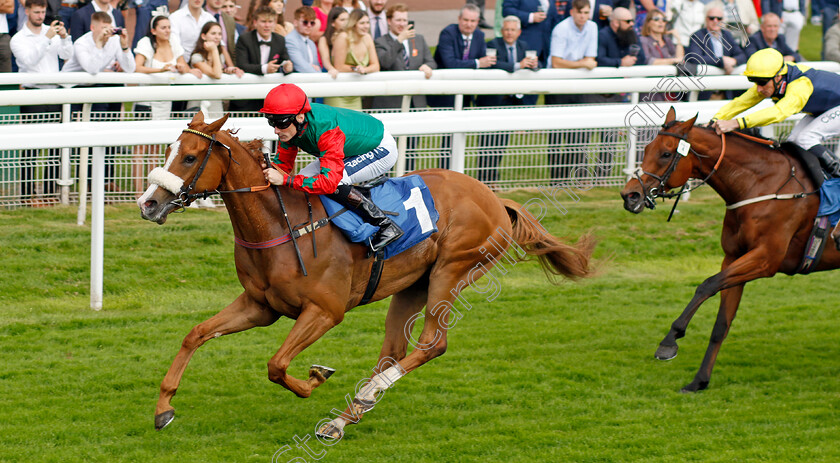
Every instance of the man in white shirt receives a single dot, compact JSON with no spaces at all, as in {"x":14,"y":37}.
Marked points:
{"x":689,"y":16}
{"x":100,"y":48}
{"x":37,"y":48}
{"x":302,"y":50}
{"x":187,"y":23}
{"x":378,"y":19}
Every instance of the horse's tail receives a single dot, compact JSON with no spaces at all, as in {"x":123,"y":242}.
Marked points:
{"x":556,"y":257}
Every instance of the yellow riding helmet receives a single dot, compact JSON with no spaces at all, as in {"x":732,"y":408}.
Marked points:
{"x":766,"y":63}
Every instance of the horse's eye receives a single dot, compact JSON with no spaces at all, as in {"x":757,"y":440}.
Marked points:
{"x":189,"y":159}
{"x":667,"y":154}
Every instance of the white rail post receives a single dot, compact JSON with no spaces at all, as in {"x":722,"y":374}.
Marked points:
{"x":402,"y":141}
{"x":83,"y":172}
{"x":97,"y":227}
{"x":632,"y":135}
{"x":64,"y":180}
{"x":459,"y":142}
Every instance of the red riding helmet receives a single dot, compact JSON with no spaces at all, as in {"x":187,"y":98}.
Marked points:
{"x":286,"y":99}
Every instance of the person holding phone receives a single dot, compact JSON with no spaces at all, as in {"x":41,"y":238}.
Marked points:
{"x":37,"y":48}
{"x":100,"y":48}
{"x":80,"y":24}
{"x":402,"y":49}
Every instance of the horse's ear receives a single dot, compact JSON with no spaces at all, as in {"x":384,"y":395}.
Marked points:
{"x":690,"y":123}
{"x":198,"y":118}
{"x":215,"y":126}
{"x":671,"y":116}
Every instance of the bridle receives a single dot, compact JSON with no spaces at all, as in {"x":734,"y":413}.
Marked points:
{"x":184,"y":197}
{"x":683,"y":149}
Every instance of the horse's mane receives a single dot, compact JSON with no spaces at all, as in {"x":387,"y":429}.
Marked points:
{"x":253,"y":147}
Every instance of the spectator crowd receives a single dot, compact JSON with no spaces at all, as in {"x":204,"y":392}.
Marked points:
{"x":204,"y":38}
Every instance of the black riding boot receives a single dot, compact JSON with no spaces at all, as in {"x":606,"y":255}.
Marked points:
{"x":827,"y":160}
{"x":351,"y":198}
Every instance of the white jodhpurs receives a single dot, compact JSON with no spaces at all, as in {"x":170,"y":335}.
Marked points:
{"x":363,"y":167}
{"x":816,"y":130}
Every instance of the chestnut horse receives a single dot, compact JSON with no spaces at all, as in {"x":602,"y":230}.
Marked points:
{"x":759,"y":239}
{"x":472,"y":224}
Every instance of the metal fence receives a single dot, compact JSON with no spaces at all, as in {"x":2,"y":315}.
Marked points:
{"x":504,"y":160}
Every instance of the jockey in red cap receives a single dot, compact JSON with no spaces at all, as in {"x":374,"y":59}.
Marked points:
{"x":351,"y":147}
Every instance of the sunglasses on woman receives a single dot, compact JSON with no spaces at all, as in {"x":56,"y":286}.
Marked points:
{"x":280,"y":121}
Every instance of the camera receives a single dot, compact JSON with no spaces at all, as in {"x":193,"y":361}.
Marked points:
{"x":49,"y":19}
{"x":411,"y":24}
{"x":117,"y":31}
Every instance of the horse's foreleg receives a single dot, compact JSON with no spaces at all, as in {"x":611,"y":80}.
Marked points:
{"x":312,"y":323}
{"x":758,"y":263}
{"x":404,"y":305}
{"x":668,"y":347}
{"x":729,"y":300}
{"x":240,"y":315}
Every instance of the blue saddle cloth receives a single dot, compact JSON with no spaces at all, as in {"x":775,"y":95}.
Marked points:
{"x":408,"y":197}
{"x":830,"y":200}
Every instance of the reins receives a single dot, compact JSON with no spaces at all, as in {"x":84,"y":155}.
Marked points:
{"x":184,"y":196}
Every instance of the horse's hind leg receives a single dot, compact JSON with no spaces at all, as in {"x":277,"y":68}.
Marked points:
{"x":310,"y":325}
{"x":729,"y":300}
{"x":404,"y":305}
{"x":240,"y":315}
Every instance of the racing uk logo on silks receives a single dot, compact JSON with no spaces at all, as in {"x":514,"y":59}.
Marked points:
{"x":369,"y":156}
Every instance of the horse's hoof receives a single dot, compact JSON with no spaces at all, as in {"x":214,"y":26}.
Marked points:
{"x":694,"y":386}
{"x":164,"y":419}
{"x":326,"y":372}
{"x":363,"y":406}
{"x":665,"y":352}
{"x":328,"y":431}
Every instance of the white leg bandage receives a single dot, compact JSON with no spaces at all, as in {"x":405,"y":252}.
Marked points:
{"x":380,"y":382}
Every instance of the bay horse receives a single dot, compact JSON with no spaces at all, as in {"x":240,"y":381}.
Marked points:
{"x":473,"y":222}
{"x":759,"y":239}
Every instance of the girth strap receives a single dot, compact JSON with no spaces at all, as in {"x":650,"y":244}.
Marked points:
{"x":375,"y":275}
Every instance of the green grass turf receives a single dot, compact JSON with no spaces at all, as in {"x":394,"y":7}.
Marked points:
{"x":543,"y":373}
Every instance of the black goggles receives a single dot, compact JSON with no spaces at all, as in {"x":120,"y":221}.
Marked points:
{"x":760,"y":81}
{"x":280,"y":121}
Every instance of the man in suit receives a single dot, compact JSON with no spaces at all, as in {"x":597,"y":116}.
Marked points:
{"x":510,"y":56}
{"x":402,"y":49}
{"x":538,"y":18}
{"x":717,"y":47}
{"x":460,"y":46}
{"x":261,"y":52}
{"x":378,"y":18}
{"x":229,"y":35}
{"x":302,"y":50}
{"x":769,"y":37}
{"x":618,"y":44}
{"x":80,"y":24}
